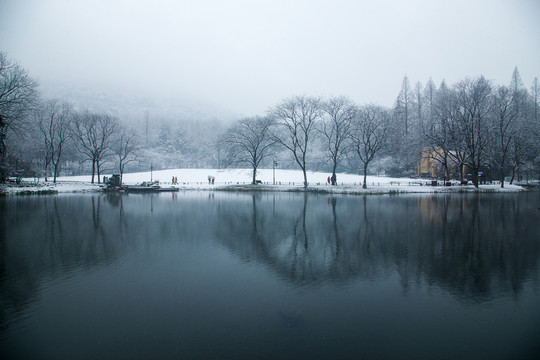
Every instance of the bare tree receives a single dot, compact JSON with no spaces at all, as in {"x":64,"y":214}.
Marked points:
{"x":428,"y":126}
{"x":534,"y":125}
{"x":336,"y":129}
{"x":437,"y":130}
{"x":369,"y":134}
{"x":406,"y":143}
{"x":418,"y":103}
{"x":248,"y":141}
{"x":450,"y":117}
{"x":429,"y":101}
{"x":403,"y":106}
{"x":296,"y":120}
{"x":444,"y":135}
{"x":535,"y":92}
{"x":93,"y":133}
{"x":125,"y":150}
{"x":505,"y":129}
{"x":524,"y":143}
{"x":474,"y":105}
{"x":54,"y":118}
{"x":18,"y":93}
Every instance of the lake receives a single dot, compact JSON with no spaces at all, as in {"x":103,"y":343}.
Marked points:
{"x":221,"y":275}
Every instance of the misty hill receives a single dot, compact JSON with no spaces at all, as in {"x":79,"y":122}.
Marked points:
{"x":137,"y":105}
{"x":170,"y":131}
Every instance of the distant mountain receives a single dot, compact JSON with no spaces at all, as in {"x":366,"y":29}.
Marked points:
{"x":136,"y":106}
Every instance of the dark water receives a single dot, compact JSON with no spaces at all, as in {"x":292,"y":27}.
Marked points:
{"x":244,"y":276}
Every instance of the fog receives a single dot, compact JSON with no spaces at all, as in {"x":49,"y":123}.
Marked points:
{"x":245,"y":56}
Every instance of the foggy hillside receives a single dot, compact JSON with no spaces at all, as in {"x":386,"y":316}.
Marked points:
{"x":171,"y":131}
{"x":135,"y":105}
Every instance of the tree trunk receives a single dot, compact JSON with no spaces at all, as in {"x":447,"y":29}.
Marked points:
{"x":475,"y":176}
{"x":47,"y":163}
{"x":305,"y":178}
{"x":364,"y":184}
{"x":56,"y":168}
{"x":513,"y":175}
{"x":334,"y":177}
{"x":3,"y":155}
{"x":445,"y":168}
{"x":93,"y":170}
{"x":254,"y":180}
{"x":501,"y":169}
{"x":3,"y":166}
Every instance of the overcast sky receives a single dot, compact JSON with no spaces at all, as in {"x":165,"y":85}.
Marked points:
{"x":247,"y":55}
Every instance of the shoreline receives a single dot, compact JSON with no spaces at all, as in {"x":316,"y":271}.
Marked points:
{"x":73,"y":187}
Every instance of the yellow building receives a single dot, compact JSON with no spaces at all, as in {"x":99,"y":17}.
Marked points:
{"x":431,"y":164}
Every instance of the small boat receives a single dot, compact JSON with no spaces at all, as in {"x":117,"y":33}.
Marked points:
{"x":148,"y":187}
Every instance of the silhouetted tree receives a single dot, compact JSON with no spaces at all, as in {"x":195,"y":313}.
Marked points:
{"x":93,"y":134}
{"x":535,"y":93}
{"x":369,"y":134}
{"x":296,"y":120}
{"x":442,"y":135}
{"x":125,"y":149}
{"x":405,"y":147}
{"x":474,"y":106}
{"x":338,"y":114}
{"x":505,"y":127}
{"x":249,"y":142}
{"x":54,"y":118}
{"x":522,"y":147}
{"x":18,"y":94}
{"x":402,"y":109}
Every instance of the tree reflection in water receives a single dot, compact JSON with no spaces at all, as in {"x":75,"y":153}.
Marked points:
{"x":473,"y":246}
{"x":208,"y":273}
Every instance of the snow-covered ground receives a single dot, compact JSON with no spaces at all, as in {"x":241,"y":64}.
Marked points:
{"x":240,"y":179}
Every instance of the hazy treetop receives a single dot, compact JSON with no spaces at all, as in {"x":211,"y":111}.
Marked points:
{"x":247,"y":55}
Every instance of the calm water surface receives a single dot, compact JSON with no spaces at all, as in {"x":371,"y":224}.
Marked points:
{"x":200,"y":275}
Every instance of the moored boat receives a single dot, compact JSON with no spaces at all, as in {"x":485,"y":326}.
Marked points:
{"x":149,"y":187}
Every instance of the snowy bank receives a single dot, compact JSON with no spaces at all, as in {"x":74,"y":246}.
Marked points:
{"x":240,"y":180}
{"x":33,"y":187}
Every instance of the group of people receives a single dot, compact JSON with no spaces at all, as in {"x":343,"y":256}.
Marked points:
{"x":174,"y":180}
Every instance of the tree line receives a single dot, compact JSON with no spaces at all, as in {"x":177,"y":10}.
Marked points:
{"x":310,"y":129}
{"x":471,"y":124}
{"x":37,"y":135}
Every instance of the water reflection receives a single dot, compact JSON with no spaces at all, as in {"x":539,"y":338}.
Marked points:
{"x":475,"y":247}
{"x":216,"y":269}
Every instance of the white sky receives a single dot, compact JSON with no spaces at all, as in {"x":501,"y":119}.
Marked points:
{"x":248,"y":55}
